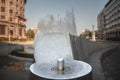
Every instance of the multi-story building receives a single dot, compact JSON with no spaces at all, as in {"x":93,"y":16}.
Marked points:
{"x":101,"y":24}
{"x":109,"y":20}
{"x":12,"y":19}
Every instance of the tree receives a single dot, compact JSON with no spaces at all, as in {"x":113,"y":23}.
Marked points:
{"x":30,"y":33}
{"x":87,"y":33}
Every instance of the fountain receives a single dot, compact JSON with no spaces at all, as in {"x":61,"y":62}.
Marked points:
{"x":26,"y":53}
{"x":53,"y":53}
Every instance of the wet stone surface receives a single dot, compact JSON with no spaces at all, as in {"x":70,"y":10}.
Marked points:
{"x":111,"y":65}
{"x":9,"y":63}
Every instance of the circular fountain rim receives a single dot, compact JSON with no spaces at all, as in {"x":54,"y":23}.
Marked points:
{"x":35,"y":69}
{"x":20,"y":53}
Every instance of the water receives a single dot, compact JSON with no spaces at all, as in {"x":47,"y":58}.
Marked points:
{"x":29,"y":49}
{"x":52,"y":40}
{"x":51,"y":46}
{"x":64,"y":24}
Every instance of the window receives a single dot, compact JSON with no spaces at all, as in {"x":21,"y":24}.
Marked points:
{"x":10,"y":18}
{"x":16,"y":13}
{"x":11,"y":3}
{"x":2,"y":17}
{"x":2,"y":1}
{"x":11,"y":11}
{"x":23,"y":10}
{"x":20,"y":8}
{"x":21,"y":2}
{"x":2,"y":9}
{"x":16,"y":5}
{"x":20,"y":31}
{"x":2,"y":29}
{"x":11,"y":32}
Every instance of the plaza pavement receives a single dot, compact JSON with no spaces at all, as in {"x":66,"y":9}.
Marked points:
{"x":23,"y":43}
{"x":94,"y":60}
{"x":13,"y":74}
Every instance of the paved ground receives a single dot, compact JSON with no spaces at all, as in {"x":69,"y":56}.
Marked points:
{"x":111,"y":64}
{"x":23,"y":43}
{"x":13,"y":68}
{"x":13,"y":75}
{"x":109,"y":70}
{"x":11,"y":64}
{"x":95,"y":61}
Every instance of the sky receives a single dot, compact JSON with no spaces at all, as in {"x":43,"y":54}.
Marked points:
{"x":85,"y":11}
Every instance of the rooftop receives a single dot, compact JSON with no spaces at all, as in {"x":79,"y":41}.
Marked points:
{"x":108,"y":3}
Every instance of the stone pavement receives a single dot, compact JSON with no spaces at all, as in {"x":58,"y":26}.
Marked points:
{"x":12,"y":68}
{"x":23,"y":43}
{"x":95,"y":61}
{"x":111,"y":64}
{"x":13,"y":75}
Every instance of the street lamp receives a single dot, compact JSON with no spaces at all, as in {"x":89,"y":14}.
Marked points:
{"x":93,"y":34}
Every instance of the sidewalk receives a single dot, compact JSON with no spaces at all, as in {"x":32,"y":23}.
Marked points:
{"x":23,"y":43}
{"x":111,"y":64}
{"x":95,"y":61}
{"x":13,"y":75}
{"x":13,"y":69}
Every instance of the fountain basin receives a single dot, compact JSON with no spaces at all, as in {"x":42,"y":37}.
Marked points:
{"x":28,"y":52}
{"x":73,"y":70}
{"x":19,"y":53}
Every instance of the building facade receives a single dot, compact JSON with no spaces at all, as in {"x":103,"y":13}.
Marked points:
{"x":109,"y":20}
{"x":12,"y":19}
{"x":101,"y":24}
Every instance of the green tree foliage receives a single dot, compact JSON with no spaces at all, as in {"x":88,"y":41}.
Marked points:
{"x":30,"y":33}
{"x":87,"y":33}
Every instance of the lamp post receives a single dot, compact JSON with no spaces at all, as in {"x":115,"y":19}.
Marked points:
{"x":93,"y":34}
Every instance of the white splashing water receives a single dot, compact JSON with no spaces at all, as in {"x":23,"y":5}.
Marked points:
{"x":53,"y":41}
{"x":63,"y":25}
